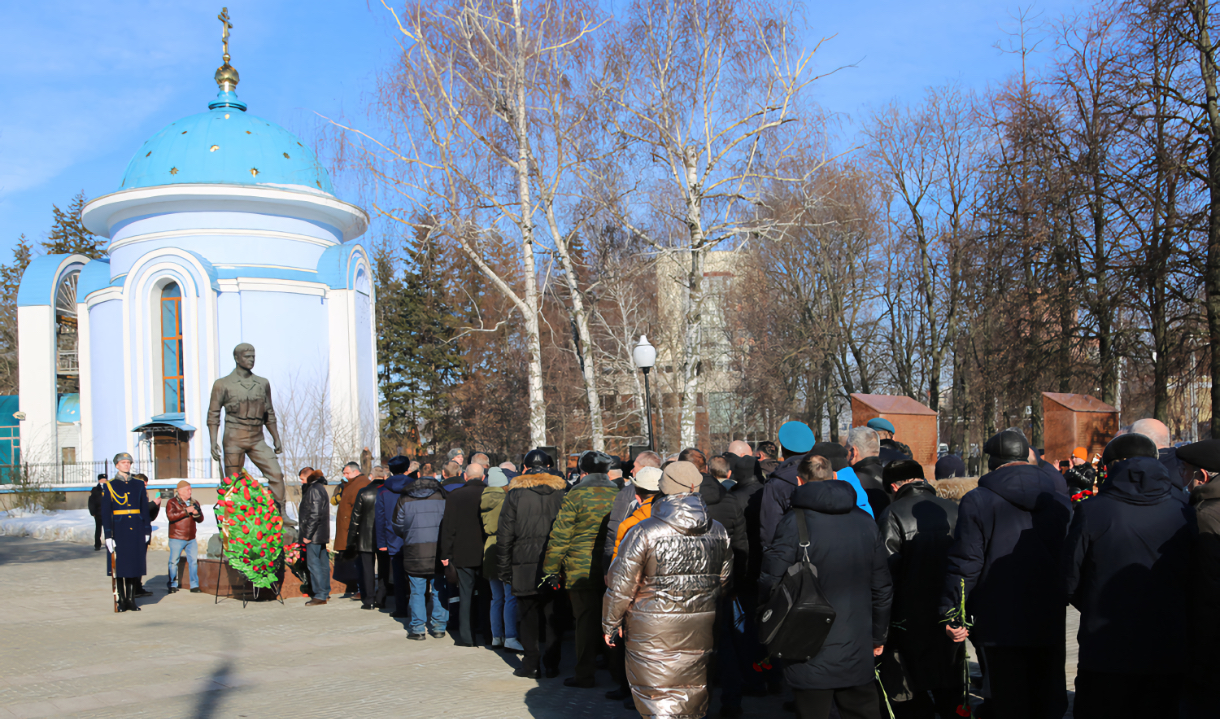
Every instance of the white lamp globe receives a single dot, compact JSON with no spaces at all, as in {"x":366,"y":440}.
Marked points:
{"x":644,"y":354}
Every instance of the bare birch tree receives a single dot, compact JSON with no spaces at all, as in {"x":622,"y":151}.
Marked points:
{"x":699,"y":89}
{"x":462,"y":146}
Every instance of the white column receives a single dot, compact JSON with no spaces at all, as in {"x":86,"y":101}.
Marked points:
{"x":37,"y":353}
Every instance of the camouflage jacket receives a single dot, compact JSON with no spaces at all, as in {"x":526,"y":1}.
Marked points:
{"x":579,"y":533}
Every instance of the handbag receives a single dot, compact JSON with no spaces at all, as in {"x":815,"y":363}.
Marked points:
{"x":796,"y":619}
{"x":346,"y":570}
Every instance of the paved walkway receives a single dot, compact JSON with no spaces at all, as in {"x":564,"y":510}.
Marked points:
{"x":64,"y":652}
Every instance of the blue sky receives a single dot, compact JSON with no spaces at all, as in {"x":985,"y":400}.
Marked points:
{"x":88,"y":82}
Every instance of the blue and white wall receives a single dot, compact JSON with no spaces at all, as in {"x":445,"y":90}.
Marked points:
{"x":276,"y":267}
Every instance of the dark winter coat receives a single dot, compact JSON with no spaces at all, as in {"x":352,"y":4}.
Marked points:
{"x":124,"y":513}
{"x":723,"y":507}
{"x":1008,"y":545}
{"x":462,"y":528}
{"x":417,"y":520}
{"x":1128,"y":563}
{"x":1173,"y":467}
{"x":868,"y":471}
{"x":1080,"y":478}
{"x":362,"y":526}
{"x":917,"y":531}
{"x":779,"y":488}
{"x":387,"y":500}
{"x":95,"y":499}
{"x":526,"y":518}
{"x":624,"y":504}
{"x":313,"y":521}
{"x":1204,"y":615}
{"x":1055,"y":476}
{"x":846,"y":548}
{"x":892,"y":451}
{"x":748,"y":492}
{"x":578,"y":536}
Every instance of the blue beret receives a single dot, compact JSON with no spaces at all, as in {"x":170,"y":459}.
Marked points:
{"x":881,"y":424}
{"x":796,"y":437}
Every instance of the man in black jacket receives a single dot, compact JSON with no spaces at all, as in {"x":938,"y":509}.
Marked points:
{"x":846,"y":549}
{"x":1201,"y":467}
{"x":1006,"y":558}
{"x":529,"y":510}
{"x":362,"y":537}
{"x":863,"y":448}
{"x":462,"y":544}
{"x":95,"y":506}
{"x":795,"y":439}
{"x":748,"y":493}
{"x":917,"y":530}
{"x":1128,"y":559}
{"x":723,"y":507}
{"x":314,"y":527}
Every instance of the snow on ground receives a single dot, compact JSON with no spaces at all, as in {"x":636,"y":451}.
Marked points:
{"x":75,"y":525}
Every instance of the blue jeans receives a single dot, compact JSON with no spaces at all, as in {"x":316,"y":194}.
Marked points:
{"x":503,"y":610}
{"x":176,"y":548}
{"x":318,"y":562}
{"x":419,"y":606}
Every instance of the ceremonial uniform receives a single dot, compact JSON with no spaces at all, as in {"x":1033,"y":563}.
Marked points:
{"x":125,"y":520}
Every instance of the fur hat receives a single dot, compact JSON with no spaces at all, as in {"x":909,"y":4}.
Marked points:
{"x":1127,"y":446}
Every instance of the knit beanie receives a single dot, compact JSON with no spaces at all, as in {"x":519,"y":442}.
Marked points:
{"x":680,"y":478}
{"x":496,"y":477}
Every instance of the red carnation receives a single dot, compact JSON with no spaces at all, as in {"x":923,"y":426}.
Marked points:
{"x":259,"y":535}
{"x":246,"y":492}
{"x":963,"y":710}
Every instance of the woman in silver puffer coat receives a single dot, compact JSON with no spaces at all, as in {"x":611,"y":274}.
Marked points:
{"x":666,"y":582}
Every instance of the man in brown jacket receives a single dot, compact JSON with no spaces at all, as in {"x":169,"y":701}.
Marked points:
{"x":354,"y":481}
{"x":183,"y":514}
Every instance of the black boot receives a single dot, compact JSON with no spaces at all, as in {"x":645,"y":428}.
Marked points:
{"x":120,"y":588}
{"x":131,"y":595}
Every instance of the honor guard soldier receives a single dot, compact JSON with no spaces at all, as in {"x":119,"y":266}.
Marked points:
{"x":127,"y":528}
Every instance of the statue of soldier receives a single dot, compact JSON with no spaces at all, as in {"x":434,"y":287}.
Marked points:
{"x":246,"y":399}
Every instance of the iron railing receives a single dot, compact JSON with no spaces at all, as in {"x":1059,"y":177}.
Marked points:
{"x":84,"y":474}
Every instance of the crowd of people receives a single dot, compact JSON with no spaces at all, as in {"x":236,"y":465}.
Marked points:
{"x":660,"y":567}
{"x":667,"y":568}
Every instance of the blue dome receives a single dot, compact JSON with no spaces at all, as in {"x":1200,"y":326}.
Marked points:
{"x":225,"y":145}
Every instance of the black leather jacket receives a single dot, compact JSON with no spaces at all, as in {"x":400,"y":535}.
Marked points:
{"x":917,"y":530}
{"x":361,"y":530}
{"x":314,"y":520}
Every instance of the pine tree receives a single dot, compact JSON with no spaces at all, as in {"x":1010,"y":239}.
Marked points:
{"x":420,"y":362}
{"x":68,"y":233}
{"x":10,"y":280}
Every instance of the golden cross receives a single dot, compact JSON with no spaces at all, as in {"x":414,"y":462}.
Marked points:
{"x":226,"y":26}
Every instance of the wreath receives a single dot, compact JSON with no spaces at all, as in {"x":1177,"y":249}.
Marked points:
{"x":251,"y":527}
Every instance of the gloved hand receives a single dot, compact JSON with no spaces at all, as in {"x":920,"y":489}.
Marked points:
{"x":110,"y":546}
{"x":147,"y":538}
{"x":551,"y":581}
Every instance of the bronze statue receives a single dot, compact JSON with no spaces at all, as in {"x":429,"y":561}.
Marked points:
{"x":246,"y":399}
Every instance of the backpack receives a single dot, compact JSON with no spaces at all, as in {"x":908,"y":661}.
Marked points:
{"x":795,"y":620}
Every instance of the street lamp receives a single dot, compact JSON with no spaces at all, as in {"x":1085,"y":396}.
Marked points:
{"x":645,"y":356}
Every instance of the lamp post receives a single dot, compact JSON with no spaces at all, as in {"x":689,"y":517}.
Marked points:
{"x":645,"y":356}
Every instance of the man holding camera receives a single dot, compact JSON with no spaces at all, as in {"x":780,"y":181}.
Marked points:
{"x":183,"y":514}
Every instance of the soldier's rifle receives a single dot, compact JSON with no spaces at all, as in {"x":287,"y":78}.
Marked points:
{"x":114,"y":580}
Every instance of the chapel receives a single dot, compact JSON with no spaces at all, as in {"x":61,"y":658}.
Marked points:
{"x":224,"y":229}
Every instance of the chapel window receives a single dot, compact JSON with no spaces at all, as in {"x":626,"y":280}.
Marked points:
{"x":172,"y":377}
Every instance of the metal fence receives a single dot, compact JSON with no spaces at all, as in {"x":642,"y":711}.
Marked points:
{"x":84,"y":474}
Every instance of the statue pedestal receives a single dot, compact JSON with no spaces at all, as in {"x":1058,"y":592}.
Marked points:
{"x":233,"y":583}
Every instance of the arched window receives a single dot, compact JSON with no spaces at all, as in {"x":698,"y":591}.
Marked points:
{"x":172,"y":379}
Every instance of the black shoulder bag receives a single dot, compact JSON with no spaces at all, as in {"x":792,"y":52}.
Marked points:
{"x":796,"y":619}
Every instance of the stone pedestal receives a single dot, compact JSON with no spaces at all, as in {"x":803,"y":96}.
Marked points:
{"x":233,"y":583}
